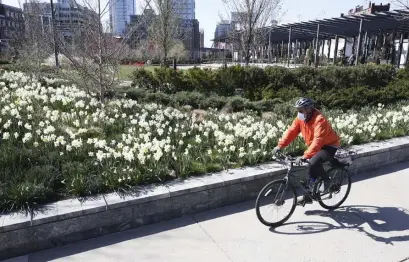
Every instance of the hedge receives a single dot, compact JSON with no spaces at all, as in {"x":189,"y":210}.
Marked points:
{"x":274,"y":78}
{"x":198,"y":100}
{"x":332,"y":87}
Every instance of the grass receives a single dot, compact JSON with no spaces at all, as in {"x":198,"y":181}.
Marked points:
{"x":125,"y":71}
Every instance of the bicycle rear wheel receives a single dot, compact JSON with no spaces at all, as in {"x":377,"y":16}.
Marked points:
{"x":337,"y":188}
{"x":276,"y":195}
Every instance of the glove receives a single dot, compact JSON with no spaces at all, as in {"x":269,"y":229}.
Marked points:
{"x":300,"y":160}
{"x":276,"y":150}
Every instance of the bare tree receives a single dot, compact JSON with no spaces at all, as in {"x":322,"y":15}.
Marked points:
{"x":166,"y":28}
{"x":252,"y":16}
{"x":178,"y":51}
{"x":95,"y":55}
{"x":401,"y":4}
{"x":29,"y":47}
{"x":402,"y":7}
{"x":146,"y":50}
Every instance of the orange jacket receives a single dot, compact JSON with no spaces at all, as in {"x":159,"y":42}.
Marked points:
{"x":317,"y":132}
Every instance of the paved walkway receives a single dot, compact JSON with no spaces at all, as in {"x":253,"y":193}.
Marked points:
{"x":373,"y":226}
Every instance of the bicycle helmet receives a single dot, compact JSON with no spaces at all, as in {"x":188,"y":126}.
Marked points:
{"x":304,"y":103}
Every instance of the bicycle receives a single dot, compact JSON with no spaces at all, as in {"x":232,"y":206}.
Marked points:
{"x":332,"y":187}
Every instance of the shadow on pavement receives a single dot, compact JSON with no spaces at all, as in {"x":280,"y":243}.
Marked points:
{"x":379,"y":219}
{"x":107,"y":240}
{"x":392,"y":217}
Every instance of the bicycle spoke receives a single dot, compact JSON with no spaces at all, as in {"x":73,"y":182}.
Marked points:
{"x":337,"y":190}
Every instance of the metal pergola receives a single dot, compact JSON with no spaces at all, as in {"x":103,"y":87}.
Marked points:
{"x":345,"y":26}
{"x":396,"y":21}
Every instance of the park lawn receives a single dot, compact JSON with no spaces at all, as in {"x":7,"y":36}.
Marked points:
{"x":125,"y":71}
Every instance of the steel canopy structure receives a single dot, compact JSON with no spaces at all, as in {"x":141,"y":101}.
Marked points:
{"x":360,"y":27}
{"x":344,"y":26}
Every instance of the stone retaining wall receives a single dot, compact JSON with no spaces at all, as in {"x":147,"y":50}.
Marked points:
{"x":74,"y":220}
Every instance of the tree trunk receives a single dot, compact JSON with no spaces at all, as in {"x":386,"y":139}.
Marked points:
{"x":165,"y":57}
{"x":247,"y":57}
{"x":100,"y":65}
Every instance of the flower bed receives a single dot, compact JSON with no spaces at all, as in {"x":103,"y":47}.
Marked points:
{"x":59,"y":142}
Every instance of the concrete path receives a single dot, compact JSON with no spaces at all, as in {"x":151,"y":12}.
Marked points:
{"x":373,"y":226}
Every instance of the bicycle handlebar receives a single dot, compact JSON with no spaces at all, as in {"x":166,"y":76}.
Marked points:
{"x":288,"y":158}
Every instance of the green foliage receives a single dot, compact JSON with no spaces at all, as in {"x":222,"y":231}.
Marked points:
{"x":98,"y":158}
{"x":200,"y":80}
{"x":143,"y":78}
{"x":214,"y":101}
{"x":268,"y":105}
{"x":169,"y":80}
{"x":332,"y":86}
{"x":238,"y":104}
{"x":279,"y":77}
{"x":229,"y":79}
{"x":193,"y":99}
{"x":255,"y":79}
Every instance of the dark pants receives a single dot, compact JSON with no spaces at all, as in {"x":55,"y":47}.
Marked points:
{"x":326,"y":154}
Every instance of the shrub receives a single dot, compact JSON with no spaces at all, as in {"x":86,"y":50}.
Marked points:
{"x":229,"y":79}
{"x":158,"y":97}
{"x":214,"y":101}
{"x":255,"y":79}
{"x":239,"y":104}
{"x":340,"y":86}
{"x":142,"y":78}
{"x":268,"y":105}
{"x":170,"y":81}
{"x":374,"y":76}
{"x":288,"y":93}
{"x":137,"y":94}
{"x":279,"y":77}
{"x":193,"y":99}
{"x":304,"y":78}
{"x":201,"y":80}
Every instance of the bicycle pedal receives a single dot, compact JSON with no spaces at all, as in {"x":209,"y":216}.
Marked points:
{"x":301,"y":203}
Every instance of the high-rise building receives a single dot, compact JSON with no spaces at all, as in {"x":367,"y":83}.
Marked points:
{"x":69,"y":16}
{"x":237,"y":19}
{"x":222,"y":29}
{"x":372,"y":8}
{"x":185,"y":9}
{"x":201,"y":38}
{"x":120,"y":12}
{"x":138,"y":29}
{"x":11,"y":24}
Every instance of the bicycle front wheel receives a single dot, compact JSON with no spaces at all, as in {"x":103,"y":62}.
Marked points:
{"x":276,"y":203}
{"x":337,"y":189}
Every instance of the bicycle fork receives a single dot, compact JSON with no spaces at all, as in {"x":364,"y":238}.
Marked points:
{"x":280,"y":201}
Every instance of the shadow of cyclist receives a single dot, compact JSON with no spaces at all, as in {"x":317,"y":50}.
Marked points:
{"x":380,"y":219}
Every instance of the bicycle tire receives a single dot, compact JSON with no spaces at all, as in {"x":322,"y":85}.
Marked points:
{"x":322,"y":204}
{"x":265,"y":190}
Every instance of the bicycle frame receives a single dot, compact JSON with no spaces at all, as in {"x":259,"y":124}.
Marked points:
{"x":292,"y":178}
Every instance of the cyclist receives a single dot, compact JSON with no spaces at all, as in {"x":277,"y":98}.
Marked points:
{"x":321,"y":139}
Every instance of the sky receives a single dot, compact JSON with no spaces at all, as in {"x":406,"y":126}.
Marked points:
{"x":209,"y":12}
